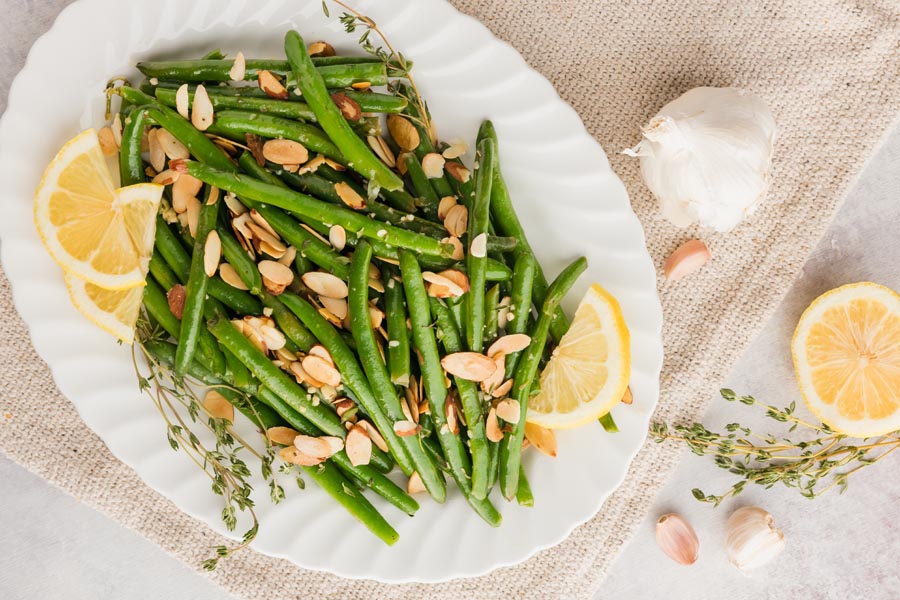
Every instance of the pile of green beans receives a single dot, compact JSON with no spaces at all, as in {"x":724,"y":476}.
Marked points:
{"x":346,"y":260}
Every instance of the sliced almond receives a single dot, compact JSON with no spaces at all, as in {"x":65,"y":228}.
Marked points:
{"x":450,"y":415}
{"x":382,"y":150}
{"x":433,"y":165}
{"x":261,"y":221}
{"x":285,"y":152}
{"x":183,"y":101}
{"x":173,"y":148}
{"x":322,"y":352}
{"x":302,"y":376}
{"x":457,"y":220}
{"x":312,"y":164}
{"x":320,"y":49}
{"x":349,"y":107}
{"x":492,"y":382}
{"x":271,"y":85}
{"x":456,"y":149}
{"x":342,"y":406}
{"x":157,"y":153}
{"x":376,"y":285}
{"x":469,"y":365}
{"x":281,"y":435}
{"x":375,"y":436}
{"x":375,"y":316}
{"x":457,"y":171}
{"x":458,"y":250}
{"x":457,"y":277}
{"x":293,"y":456}
{"x":255,"y":145}
{"x":405,"y":428}
{"x":175,"y":298}
{"x":401,"y":162}
{"x":212,"y":253}
{"x":627,"y":398}
{"x":541,"y":438}
{"x":276,"y":277}
{"x":503,"y":312}
{"x":444,"y":206}
{"x":404,"y":133}
{"x":316,"y":447}
{"x":287,"y":259}
{"x":509,"y":410}
{"x":358,"y":446}
{"x":424,"y":409}
{"x":405,"y":407}
{"x":273,"y":338}
{"x":218,"y":407}
{"x":325,"y":284}
{"x":441,"y":287}
{"x":186,"y":186}
{"x":320,"y":369}
{"x":193,"y":215}
{"x":478,"y":247}
{"x":331,"y":317}
{"x":415,"y":484}
{"x":286,"y":355}
{"x":238,"y":68}
{"x":234,"y":205}
{"x":107,"y":142}
{"x":349,"y":196}
{"x":336,"y":306}
{"x":492,"y":426}
{"x":503,"y":389}
{"x":508,"y":344}
{"x":689,"y":257}
{"x":116,"y":128}
{"x":167,"y":177}
{"x":338,"y":237}
{"x":361,"y":85}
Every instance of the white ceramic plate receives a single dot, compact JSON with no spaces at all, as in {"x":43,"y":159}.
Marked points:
{"x":568,"y":197}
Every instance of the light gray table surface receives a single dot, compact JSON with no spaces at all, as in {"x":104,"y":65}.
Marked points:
{"x":837,"y":547}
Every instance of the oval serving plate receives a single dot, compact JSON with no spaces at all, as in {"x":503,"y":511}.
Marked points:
{"x":567,"y":196}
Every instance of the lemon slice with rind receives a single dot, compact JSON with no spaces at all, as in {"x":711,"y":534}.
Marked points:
{"x":114,"y":311}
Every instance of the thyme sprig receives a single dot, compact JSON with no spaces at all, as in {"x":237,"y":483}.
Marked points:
{"x":813,"y":462}
{"x":221,"y":460}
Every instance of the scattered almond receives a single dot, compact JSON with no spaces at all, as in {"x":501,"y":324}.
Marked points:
{"x":503,"y":312}
{"x":457,"y":171}
{"x":116,"y":128}
{"x":492,"y":426}
{"x":285,"y":152}
{"x":238,"y":68}
{"x":349,"y":196}
{"x":338,"y":237}
{"x":469,"y":365}
{"x":336,"y":306}
{"x":322,"y":352}
{"x":186,"y":186}
{"x":405,"y":428}
{"x":320,"y":49}
{"x":375,"y":436}
{"x":212,"y":252}
{"x":361,"y":85}
{"x":281,"y":435}
{"x":107,"y":142}
{"x":167,"y":177}
{"x":689,"y":257}
{"x":358,"y":446}
{"x":541,"y":438}
{"x":275,"y":276}
{"x":509,"y":410}
{"x":404,"y":133}
{"x":157,"y":153}
{"x":488,"y":385}
{"x":415,"y":485}
{"x":503,"y":389}
{"x":478,"y":247}
{"x":444,"y":206}
{"x":193,"y":215}
{"x":202,"y":109}
{"x":175,"y":297}
{"x":450,"y":414}
{"x":433,"y":165}
{"x":348,"y":106}
{"x":441,"y":286}
{"x":508,"y":344}
{"x":183,"y":101}
{"x":271,"y":85}
{"x":293,"y":456}
{"x":457,"y":220}
{"x":173,"y":148}
{"x":456,"y":149}
{"x":273,"y":338}
{"x":287,"y":259}
{"x":382,"y":150}
{"x":320,"y":369}
{"x":218,"y":407}
{"x":317,"y":447}
{"x":458,"y":250}
{"x":325,"y":284}
{"x":302,"y":376}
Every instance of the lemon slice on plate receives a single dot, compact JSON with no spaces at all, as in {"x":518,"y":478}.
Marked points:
{"x":114,"y":311}
{"x":847,"y":359}
{"x":101,"y":234}
{"x":589,"y":370}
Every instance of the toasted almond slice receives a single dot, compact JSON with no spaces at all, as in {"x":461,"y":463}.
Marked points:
{"x":424,"y":409}
{"x":627,"y":398}
{"x":689,"y":257}
{"x":405,"y":428}
{"x":173,"y":148}
{"x":186,"y":186}
{"x":458,"y":250}
{"x":401,"y":162}
{"x":287,"y":259}
{"x":457,"y":277}
{"x":503,"y":389}
{"x":343,"y":405}
{"x":335,"y":444}
{"x":338,"y":237}
{"x":238,"y":68}
{"x":376,"y":316}
{"x":312,"y":164}
{"x":320,"y":369}
{"x":286,"y":355}
{"x":107,"y":142}
{"x":361,"y":85}
{"x":415,"y":484}
{"x":316,"y":447}
{"x":290,"y":454}
{"x":492,"y":426}
{"x":336,"y":306}
{"x":116,"y":129}
{"x":382,"y":150}
{"x":444,"y":206}
{"x":302,"y":376}
{"x":440,"y":286}
{"x":322,"y":352}
{"x":193,"y":215}
{"x":404,"y":133}
{"x":271,"y":85}
{"x":349,"y":107}
{"x":541,"y":438}
{"x":450,"y":414}
{"x":276,"y":272}
{"x":375,"y":436}
{"x":405,"y":407}
{"x":503,"y":312}
{"x":155,"y":148}
{"x":183,"y":101}
{"x":167,"y":177}
{"x":202,"y":109}
{"x":433,"y":165}
{"x":312,"y":231}
{"x":262,"y":236}
{"x":331,"y":317}
{"x":349,"y":196}
{"x":376,"y":285}
{"x":281,"y":435}
{"x":514,"y":342}
{"x":509,"y":410}
{"x":457,"y":220}
{"x":320,"y":49}
{"x":261,"y":221}
{"x":175,"y":298}
{"x":212,"y":253}
{"x":469,"y":365}
{"x":325,"y":284}
{"x":489,"y":384}
{"x":359,"y":446}
{"x":234,"y":205}
{"x":285,"y":152}
{"x":273,"y":338}
{"x":218,"y":407}
{"x":457,"y":171}
{"x":478,"y":247}
{"x":456,"y":149}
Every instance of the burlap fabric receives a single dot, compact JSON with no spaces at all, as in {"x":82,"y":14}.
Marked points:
{"x":830,"y":69}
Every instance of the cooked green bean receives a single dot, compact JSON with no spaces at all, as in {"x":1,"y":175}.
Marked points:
{"x":131,"y":167}
{"x":236,"y":124}
{"x":609,"y":425}
{"x":511,"y":446}
{"x":520,"y":303}
{"x":398,"y":199}
{"x":491,"y":316}
{"x":479,"y":216}
{"x":338,"y":73}
{"x":523,"y":493}
{"x":329,"y":116}
{"x":398,"y":333}
{"x":428,"y":198}
{"x":501,"y":244}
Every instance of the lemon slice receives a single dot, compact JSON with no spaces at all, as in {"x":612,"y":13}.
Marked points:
{"x":847,"y":359}
{"x":589,"y":370}
{"x":101,"y":234}
{"x":114,"y":311}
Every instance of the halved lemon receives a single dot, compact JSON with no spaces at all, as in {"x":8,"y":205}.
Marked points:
{"x":101,"y":234}
{"x":589,"y":370}
{"x":114,"y":311}
{"x":847,"y":359}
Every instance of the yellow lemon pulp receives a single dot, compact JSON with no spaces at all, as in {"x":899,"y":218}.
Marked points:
{"x":114,"y":311}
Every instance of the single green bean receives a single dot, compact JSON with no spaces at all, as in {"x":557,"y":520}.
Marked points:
{"x":131,"y":166}
{"x":520,"y":303}
{"x":609,"y":425}
{"x":523,"y":493}
{"x":491,"y":316}
{"x":428,"y":198}
{"x":236,"y":124}
{"x":398,"y":199}
{"x":336,"y":74}
{"x":511,"y":446}
{"x":329,"y":116}
{"x":398,"y":333}
{"x":214,"y":54}
{"x":479,"y":216}
{"x":376,"y":370}
{"x":501,"y":244}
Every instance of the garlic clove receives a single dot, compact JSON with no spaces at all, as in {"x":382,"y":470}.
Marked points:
{"x":753,"y":540}
{"x":687,"y":258}
{"x":676,"y":538}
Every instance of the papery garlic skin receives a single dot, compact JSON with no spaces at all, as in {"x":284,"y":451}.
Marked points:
{"x":707,"y":156}
{"x":753,"y":540}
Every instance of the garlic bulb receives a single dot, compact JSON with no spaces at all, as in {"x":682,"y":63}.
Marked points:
{"x":706,"y":156}
{"x":677,"y":539}
{"x":753,"y":540}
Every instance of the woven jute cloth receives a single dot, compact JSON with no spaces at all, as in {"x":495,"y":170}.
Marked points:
{"x":830,"y":70}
